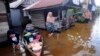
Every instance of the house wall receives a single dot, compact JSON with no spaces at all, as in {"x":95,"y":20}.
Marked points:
{"x":15,"y":17}
{"x":38,"y":19}
{"x":3,"y":23}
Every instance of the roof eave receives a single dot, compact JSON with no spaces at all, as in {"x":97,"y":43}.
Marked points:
{"x":42,"y":8}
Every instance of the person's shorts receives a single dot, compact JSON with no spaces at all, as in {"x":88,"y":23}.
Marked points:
{"x":50,"y":27}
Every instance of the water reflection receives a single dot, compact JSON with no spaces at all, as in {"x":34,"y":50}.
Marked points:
{"x":77,"y":40}
{"x":95,"y":36}
{"x":90,"y":45}
{"x":87,"y":50}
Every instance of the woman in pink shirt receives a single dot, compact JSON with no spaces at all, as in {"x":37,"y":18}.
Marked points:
{"x":50,"y":23}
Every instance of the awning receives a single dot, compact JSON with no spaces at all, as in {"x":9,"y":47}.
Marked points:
{"x":43,"y":4}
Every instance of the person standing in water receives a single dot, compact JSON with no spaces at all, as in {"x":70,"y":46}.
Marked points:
{"x":50,"y":20}
{"x":87,"y":15}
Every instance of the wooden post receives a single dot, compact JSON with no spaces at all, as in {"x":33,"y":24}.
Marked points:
{"x":59,"y":23}
{"x":6,"y":2}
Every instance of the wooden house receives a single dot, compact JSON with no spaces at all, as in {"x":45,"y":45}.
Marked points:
{"x":60,"y":8}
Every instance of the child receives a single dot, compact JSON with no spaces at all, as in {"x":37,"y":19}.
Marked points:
{"x":13,"y":38}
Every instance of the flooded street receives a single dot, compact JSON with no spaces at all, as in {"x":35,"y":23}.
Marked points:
{"x":79,"y":40}
{"x":82,"y":39}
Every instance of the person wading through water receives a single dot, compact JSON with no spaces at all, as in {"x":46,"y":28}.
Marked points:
{"x":50,"y":20}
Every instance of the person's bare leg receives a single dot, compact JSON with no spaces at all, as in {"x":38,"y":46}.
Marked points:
{"x":50,"y":34}
{"x":57,"y":36}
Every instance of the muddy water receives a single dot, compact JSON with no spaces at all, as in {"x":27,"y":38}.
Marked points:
{"x":80,"y":40}
{"x":70,"y":42}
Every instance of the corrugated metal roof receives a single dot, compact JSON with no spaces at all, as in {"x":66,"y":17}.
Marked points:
{"x":43,"y":4}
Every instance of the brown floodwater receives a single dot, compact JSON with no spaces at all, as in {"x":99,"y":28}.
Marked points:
{"x":80,"y":40}
{"x":83,"y":39}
